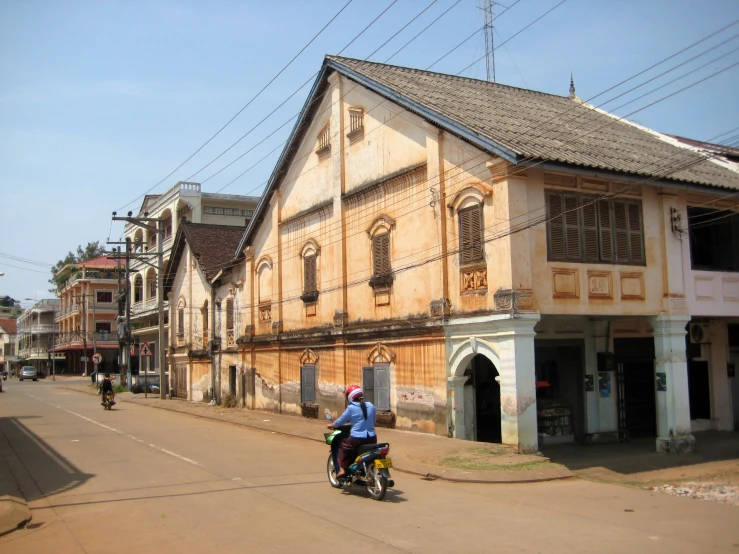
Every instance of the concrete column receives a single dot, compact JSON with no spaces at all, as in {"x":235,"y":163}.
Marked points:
{"x":673,"y":406}
{"x":518,"y":384}
{"x":455,"y":389}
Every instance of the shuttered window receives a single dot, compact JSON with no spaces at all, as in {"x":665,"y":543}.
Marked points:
{"x":376,"y":385}
{"x":181,"y":321}
{"x":230,"y":314}
{"x":470,"y":234}
{"x":308,"y":383}
{"x":309,"y":274}
{"x":381,"y":254}
{"x":582,"y":228}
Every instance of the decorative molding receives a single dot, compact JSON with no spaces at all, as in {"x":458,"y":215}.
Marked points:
{"x":380,"y":353}
{"x":565,"y":283}
{"x":381,"y":222}
{"x":265,"y":313}
{"x":440,"y":308}
{"x":569,"y":325}
{"x":382,"y":296}
{"x":600,"y":285}
{"x":478,"y":191}
{"x":264,"y":260}
{"x":473,"y":279}
{"x":276,"y":327}
{"x":632,"y":285}
{"x":730,"y":286}
{"x":509,"y":300}
{"x":501,"y":170}
{"x":308,"y":357}
{"x":704,"y":287}
{"x":340,"y":318}
{"x":310,"y":309}
{"x":310,"y":245}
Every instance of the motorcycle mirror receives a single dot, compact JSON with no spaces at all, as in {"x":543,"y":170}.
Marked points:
{"x":328,"y":416}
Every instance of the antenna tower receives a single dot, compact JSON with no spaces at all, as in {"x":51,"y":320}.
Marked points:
{"x":487,"y":11}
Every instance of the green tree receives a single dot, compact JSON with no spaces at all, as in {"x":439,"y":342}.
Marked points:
{"x":92,"y":250}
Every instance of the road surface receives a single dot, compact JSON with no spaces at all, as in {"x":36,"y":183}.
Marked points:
{"x":138,"y":479}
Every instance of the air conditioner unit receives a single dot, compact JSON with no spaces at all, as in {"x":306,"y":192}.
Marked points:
{"x":699,"y":333}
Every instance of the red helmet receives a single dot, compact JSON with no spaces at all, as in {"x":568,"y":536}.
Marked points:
{"x":353,"y":392}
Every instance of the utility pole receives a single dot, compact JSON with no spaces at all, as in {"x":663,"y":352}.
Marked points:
{"x":84,"y":330}
{"x":128,"y":313}
{"x":489,"y":29}
{"x":161,"y":352}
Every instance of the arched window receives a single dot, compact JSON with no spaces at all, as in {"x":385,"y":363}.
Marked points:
{"x":206,"y":318}
{"x":151,"y":283}
{"x":381,"y":248}
{"x":181,"y":320}
{"x":167,"y":224}
{"x":138,"y":288}
{"x":309,"y":256}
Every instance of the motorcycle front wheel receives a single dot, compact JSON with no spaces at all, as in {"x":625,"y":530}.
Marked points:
{"x":376,"y":482}
{"x":331,"y":471}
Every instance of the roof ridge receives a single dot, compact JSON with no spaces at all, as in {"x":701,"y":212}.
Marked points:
{"x":447,"y":75}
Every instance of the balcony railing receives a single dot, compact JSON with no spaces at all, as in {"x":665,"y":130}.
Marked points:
{"x":78,"y":337}
{"x":41,"y":328}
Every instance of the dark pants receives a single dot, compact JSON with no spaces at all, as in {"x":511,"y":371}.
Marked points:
{"x":348,"y":449}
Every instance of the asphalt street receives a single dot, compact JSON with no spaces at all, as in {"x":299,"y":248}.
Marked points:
{"x":137,"y":479}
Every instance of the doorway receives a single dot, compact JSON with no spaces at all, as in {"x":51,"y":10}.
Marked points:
{"x":487,"y":399}
{"x":635,"y":385}
{"x":232,"y":379}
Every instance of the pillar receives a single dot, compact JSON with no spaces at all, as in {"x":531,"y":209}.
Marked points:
{"x":455,"y":387}
{"x":518,"y":383}
{"x":671,"y":374}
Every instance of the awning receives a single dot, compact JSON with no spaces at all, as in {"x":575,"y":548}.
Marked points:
{"x":80,"y":347}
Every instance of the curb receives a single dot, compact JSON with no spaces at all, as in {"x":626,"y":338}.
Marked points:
{"x":417,"y":472}
{"x":15,"y":514}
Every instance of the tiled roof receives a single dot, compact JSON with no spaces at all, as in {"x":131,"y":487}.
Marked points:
{"x":213,"y":245}
{"x":10,"y":326}
{"x":534,"y":126}
{"x":102,"y":262}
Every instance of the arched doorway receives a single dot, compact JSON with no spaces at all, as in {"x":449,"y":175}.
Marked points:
{"x":486,"y":392}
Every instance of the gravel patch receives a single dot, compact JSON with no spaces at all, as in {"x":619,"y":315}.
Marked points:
{"x":725,"y":494}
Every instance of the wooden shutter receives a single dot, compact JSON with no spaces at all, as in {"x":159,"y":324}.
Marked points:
{"x":381,"y":254}
{"x":308,"y":383}
{"x":382,"y":388}
{"x":368,"y":383}
{"x":556,"y":227}
{"x":635,"y":233}
{"x":606,"y":231}
{"x":309,"y":270}
{"x":230,"y":313}
{"x":572,"y":227}
{"x":471,"y":234}
{"x":590,"y":228}
{"x":181,"y":321}
{"x":621,"y":226}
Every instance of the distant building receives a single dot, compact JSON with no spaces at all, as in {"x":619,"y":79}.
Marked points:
{"x":36,"y":336}
{"x":87,"y":315}
{"x":8,"y":340}
{"x":183,"y":202}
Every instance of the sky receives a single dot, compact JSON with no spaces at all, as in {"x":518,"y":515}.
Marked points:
{"x":100,"y":100}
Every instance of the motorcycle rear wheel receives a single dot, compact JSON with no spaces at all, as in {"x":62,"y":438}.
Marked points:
{"x":331,"y":471}
{"x":376,"y":482}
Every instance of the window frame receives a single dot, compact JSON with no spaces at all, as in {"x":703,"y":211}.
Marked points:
{"x":604,"y":228}
{"x":304,"y":398}
{"x":372,"y":375}
{"x":465,"y":226}
{"x":722,"y":219}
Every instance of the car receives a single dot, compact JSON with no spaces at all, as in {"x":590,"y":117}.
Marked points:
{"x":28,"y":372}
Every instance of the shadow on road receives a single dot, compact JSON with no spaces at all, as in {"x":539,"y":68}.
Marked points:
{"x":639,"y":456}
{"x":22,"y":450}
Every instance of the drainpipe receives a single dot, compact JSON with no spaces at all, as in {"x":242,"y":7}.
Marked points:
{"x":213,"y":336}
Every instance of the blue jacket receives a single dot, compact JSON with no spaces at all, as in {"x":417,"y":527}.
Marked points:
{"x":361,"y":428}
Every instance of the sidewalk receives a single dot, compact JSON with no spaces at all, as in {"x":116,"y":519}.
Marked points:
{"x":421,"y":454}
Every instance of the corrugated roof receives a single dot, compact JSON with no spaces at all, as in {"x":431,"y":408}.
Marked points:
{"x":10,"y":326}
{"x":537,"y":126}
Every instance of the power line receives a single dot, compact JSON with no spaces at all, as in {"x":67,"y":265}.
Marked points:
{"x":24,"y":260}
{"x":245,"y":105}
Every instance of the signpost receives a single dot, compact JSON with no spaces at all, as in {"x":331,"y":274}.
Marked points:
{"x":97,"y":359}
{"x":145,"y":350}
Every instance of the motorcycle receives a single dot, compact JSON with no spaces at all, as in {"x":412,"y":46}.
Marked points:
{"x":107,"y":401}
{"x":371,"y":468}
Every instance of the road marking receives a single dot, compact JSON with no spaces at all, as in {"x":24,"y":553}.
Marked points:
{"x":121,"y":433}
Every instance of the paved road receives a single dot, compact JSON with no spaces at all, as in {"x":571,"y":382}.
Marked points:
{"x":143,"y":480}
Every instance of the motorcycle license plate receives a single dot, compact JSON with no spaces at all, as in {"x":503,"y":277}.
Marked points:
{"x":387,"y":463}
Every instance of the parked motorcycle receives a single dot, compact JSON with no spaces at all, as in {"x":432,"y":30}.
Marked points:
{"x":107,"y":400}
{"x":371,"y":469}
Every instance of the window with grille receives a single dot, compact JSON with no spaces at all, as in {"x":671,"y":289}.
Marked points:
{"x":470,"y":235}
{"x":181,"y":321}
{"x":356,"y":123}
{"x":584,"y":228}
{"x":714,"y":239}
{"x":104,"y":296}
{"x":153,"y":287}
{"x":310,"y":285}
{"x":324,"y":140}
{"x":230,"y":314}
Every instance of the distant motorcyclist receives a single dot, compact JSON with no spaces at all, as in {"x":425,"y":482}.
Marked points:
{"x":361,"y":415}
{"x":106,"y":387}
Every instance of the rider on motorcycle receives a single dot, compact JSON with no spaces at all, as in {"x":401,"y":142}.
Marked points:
{"x":107,"y":387}
{"x":361,"y":415}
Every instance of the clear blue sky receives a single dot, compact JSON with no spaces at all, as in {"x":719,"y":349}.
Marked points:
{"x":100,"y":100}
